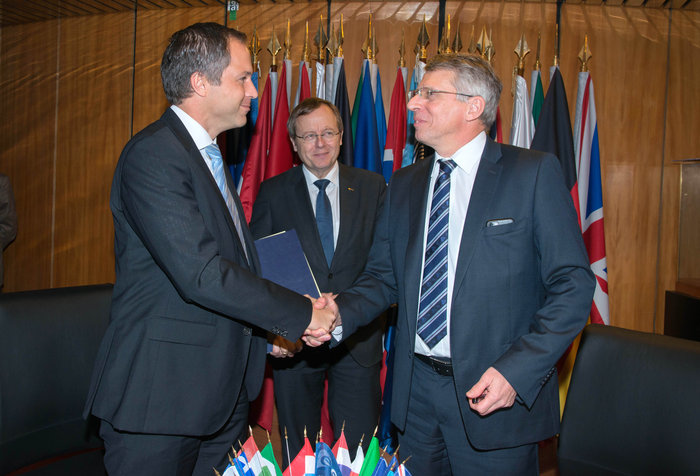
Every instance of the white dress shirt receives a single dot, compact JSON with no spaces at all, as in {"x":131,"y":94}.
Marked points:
{"x":462,"y":178}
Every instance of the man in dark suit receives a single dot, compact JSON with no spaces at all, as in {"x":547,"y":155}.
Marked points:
{"x":179,"y":361}
{"x":490,"y":303}
{"x":8,"y":218}
{"x":290,"y":201}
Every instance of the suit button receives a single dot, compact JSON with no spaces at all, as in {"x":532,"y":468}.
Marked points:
{"x":330,"y":275}
{"x":247,"y":331}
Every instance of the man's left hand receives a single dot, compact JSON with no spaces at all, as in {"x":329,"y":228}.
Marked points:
{"x":492,"y":392}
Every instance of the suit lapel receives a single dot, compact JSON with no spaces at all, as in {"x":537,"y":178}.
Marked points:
{"x":305,"y":220}
{"x":418,"y":196}
{"x":194,"y":155}
{"x":349,"y":202}
{"x":485,"y":185}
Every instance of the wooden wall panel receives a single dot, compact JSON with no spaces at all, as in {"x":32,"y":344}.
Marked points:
{"x":94,"y":107}
{"x":27,"y":147}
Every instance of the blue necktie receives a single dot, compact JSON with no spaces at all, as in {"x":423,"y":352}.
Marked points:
{"x":324,"y":219}
{"x":432,"y":310}
{"x":217,"y":165}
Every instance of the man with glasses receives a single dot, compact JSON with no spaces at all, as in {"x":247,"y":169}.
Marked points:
{"x":333,"y":209}
{"x":481,"y":249}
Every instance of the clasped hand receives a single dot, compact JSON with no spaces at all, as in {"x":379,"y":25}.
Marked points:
{"x":324,"y":319}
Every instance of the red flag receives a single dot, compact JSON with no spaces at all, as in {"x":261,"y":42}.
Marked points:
{"x":396,"y":135}
{"x":280,"y":158}
{"x":303,"y":463}
{"x":254,"y":168}
{"x":305,"y":88}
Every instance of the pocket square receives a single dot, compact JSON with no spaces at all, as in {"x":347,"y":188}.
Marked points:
{"x":500,"y":221}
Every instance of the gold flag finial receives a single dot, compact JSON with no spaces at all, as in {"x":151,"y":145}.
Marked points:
{"x":254,"y":47}
{"x":375,"y":48}
{"x":538,"y":65}
{"x":556,"y":45}
{"x":367,"y":45}
{"x":472,"y":49}
{"x":585,"y":54}
{"x":521,"y":51}
{"x":341,"y":38}
{"x":288,"y":42}
{"x":320,"y":41}
{"x":422,"y":42}
{"x":274,"y":48}
{"x":402,"y":49}
{"x":490,"y":49}
{"x":444,"y":46}
{"x":457,"y":42}
{"x":332,"y":46}
{"x":482,"y":42}
{"x":305,"y":50}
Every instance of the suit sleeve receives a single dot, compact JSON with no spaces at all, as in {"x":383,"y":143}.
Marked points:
{"x":375,"y":289}
{"x":161,"y":199}
{"x":568,"y":282}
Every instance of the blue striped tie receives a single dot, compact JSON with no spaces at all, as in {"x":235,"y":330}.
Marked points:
{"x":432,"y":311}
{"x":217,"y":166}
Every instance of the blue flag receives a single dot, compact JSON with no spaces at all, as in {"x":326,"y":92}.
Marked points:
{"x":341,"y":102}
{"x":381,"y":469}
{"x":381,"y":126}
{"x":326,"y":465}
{"x":367,"y":152}
{"x":387,"y":432}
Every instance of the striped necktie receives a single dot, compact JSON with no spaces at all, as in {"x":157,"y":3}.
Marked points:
{"x":217,"y":166}
{"x":432,"y":310}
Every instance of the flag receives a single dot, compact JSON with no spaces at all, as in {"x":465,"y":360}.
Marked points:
{"x":553,"y":132}
{"x":320,"y":80}
{"x":396,"y":134}
{"x":280,"y":158}
{"x":326,"y":465}
{"x":304,"y":86}
{"x":522,"y":126}
{"x":303,"y":463}
{"x":342,"y":455}
{"x":356,"y":104}
{"x":367,"y":155}
{"x":239,"y":467}
{"x":357,"y":462}
{"x":347,"y":151}
{"x":536,"y":95}
{"x":371,"y":458}
{"x":330,"y":84}
{"x":254,"y":168}
{"x":381,"y":118}
{"x":260,"y":466}
{"x":403,"y":471}
{"x":409,"y":151}
{"x":381,"y":468}
{"x":387,"y":433}
{"x":268,"y":456}
{"x":590,"y":194}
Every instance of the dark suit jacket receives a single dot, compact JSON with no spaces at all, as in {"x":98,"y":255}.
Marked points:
{"x":283,"y":203}
{"x":522,"y":290}
{"x":179,"y":347}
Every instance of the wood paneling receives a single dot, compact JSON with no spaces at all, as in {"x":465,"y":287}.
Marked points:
{"x":27,"y":148}
{"x":94,"y":107}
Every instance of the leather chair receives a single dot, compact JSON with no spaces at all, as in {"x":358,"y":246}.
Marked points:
{"x":48,"y":343}
{"x":633,"y":406}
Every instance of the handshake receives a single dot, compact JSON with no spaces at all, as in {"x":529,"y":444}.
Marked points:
{"x":324,"y":319}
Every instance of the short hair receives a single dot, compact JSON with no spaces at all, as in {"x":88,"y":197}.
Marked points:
{"x":472,"y":75}
{"x":203,"y":48}
{"x":307,"y":106}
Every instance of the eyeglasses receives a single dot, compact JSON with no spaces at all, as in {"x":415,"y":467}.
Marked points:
{"x":326,"y":136}
{"x":427,"y":93}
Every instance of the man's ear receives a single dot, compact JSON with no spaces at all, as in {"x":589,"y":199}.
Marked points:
{"x":475,"y":108}
{"x":199,"y":83}
{"x":294,"y":145}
